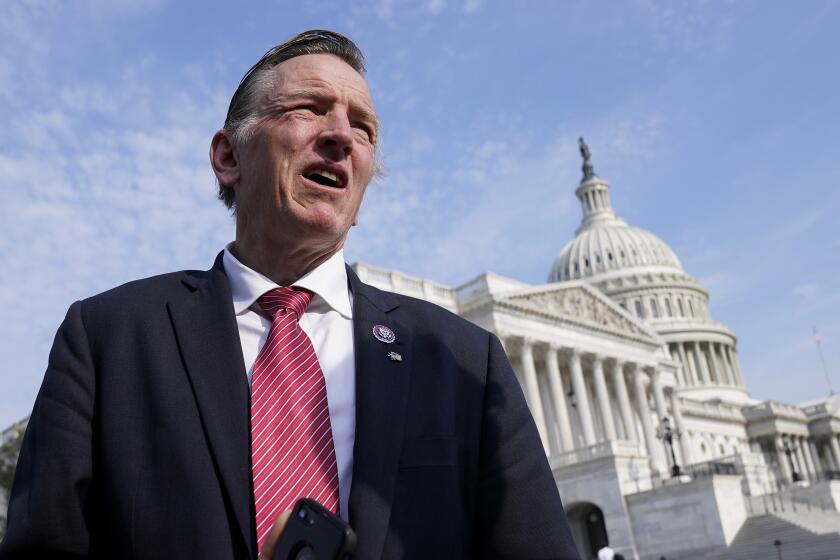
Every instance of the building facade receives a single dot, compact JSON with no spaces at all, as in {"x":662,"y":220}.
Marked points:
{"x":656,"y":445}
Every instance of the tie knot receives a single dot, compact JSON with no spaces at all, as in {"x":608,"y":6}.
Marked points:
{"x":295,"y":300}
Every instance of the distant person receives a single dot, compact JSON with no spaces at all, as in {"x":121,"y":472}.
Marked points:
{"x":181,"y":415}
{"x":606,"y":553}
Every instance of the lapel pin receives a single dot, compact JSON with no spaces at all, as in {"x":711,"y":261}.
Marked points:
{"x":384,"y":334}
{"x":395,"y":357}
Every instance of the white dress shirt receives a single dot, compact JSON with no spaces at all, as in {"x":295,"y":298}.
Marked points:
{"x":328,"y":322}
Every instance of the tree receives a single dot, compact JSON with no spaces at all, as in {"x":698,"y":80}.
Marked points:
{"x":8,"y":458}
{"x":9,"y":451}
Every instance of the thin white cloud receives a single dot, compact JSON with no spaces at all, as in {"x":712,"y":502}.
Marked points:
{"x":435,"y":6}
{"x":471,"y":6}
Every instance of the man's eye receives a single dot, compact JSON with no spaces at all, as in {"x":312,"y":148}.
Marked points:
{"x":364,"y":130}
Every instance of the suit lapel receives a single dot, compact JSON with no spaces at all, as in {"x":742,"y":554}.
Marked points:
{"x":208,"y":337}
{"x":382,"y":387}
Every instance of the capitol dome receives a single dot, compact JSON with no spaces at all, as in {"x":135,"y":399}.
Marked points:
{"x":642,"y":274}
{"x":604,"y":242}
{"x":609,"y":248}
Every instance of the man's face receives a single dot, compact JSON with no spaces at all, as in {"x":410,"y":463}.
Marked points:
{"x":304,"y":170}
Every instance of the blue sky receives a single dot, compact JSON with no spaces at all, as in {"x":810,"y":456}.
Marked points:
{"x":716,"y":123}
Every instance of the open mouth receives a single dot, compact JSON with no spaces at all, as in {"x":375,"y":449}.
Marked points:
{"x":326,"y":178}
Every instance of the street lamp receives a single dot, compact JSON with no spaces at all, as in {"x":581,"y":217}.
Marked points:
{"x":789,"y":449}
{"x":667,"y":435}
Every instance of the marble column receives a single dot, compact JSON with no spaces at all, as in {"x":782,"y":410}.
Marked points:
{"x":815,"y":457}
{"x":661,"y":412}
{"x":714,"y":368}
{"x":737,"y":364}
{"x":676,"y":357}
{"x":723,"y":374}
{"x":726,"y":356}
{"x":688,"y":371}
{"x":582,"y":397}
{"x":558,"y":394}
{"x":835,"y":451}
{"x":805,"y":445}
{"x":704,"y":364}
{"x":781,"y":457}
{"x":799,"y":455}
{"x":685,"y":444}
{"x":658,"y":396}
{"x":726,"y":352}
{"x":644,"y":413}
{"x":623,"y":400}
{"x":603,"y":398}
{"x":529,"y":371}
{"x":727,"y":366}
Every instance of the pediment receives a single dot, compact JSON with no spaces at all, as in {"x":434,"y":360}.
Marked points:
{"x":581,"y":305}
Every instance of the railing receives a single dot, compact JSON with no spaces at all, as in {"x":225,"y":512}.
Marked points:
{"x":778,"y":502}
{"x":602,"y":449}
{"x":696,"y":471}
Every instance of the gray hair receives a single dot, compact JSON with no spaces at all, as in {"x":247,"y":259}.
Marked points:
{"x":243,"y":111}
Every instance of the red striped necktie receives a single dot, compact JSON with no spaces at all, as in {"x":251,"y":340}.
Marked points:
{"x":292,"y":451}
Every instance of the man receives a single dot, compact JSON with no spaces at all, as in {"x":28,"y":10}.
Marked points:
{"x":181,"y":415}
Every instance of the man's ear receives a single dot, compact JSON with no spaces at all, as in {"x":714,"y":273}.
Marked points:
{"x":224,"y":159}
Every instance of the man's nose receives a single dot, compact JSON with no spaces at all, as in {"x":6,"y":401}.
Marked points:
{"x":337,"y":134}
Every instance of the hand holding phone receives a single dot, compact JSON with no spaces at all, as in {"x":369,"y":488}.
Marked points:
{"x":315,"y":533}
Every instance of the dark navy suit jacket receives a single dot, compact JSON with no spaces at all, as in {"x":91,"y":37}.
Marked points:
{"x":138,"y":444}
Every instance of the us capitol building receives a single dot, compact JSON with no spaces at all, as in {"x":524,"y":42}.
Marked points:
{"x":655,"y":443}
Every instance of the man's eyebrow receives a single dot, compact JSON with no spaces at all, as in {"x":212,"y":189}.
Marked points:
{"x":366,"y":113}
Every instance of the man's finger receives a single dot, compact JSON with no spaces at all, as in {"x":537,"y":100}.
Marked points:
{"x":271,"y":540}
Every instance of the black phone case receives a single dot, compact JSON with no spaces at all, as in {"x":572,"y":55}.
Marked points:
{"x":315,"y":533}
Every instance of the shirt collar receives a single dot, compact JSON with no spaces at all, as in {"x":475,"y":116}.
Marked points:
{"x":328,"y":281}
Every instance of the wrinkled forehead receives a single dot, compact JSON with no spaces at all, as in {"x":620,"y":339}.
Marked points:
{"x":320,"y":71}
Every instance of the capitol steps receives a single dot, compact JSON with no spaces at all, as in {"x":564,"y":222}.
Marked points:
{"x":805,"y":535}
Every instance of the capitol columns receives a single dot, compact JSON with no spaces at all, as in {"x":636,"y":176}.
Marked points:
{"x":726,"y":356}
{"x":685,"y":445}
{"x":603,"y":397}
{"x":659,"y":401}
{"x":784,"y":466}
{"x":529,"y":372}
{"x":704,"y":364}
{"x":579,"y":385}
{"x":688,"y":369}
{"x":835,"y":450}
{"x":737,"y":367}
{"x":644,"y":412}
{"x":558,"y":395}
{"x":623,"y":400}
{"x":714,"y":369}
{"x":804,"y":446}
{"x":815,"y":457}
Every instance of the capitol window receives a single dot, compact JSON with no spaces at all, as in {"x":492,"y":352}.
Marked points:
{"x":609,"y":256}
{"x":680,"y":306}
{"x":668,"y":307}
{"x":640,"y":311}
{"x":691,"y":308}
{"x":654,"y":309}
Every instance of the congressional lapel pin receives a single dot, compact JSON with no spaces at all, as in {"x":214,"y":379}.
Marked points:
{"x":395,"y":357}
{"x":384,"y":334}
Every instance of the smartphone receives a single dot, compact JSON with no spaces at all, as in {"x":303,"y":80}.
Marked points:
{"x":315,"y":533}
